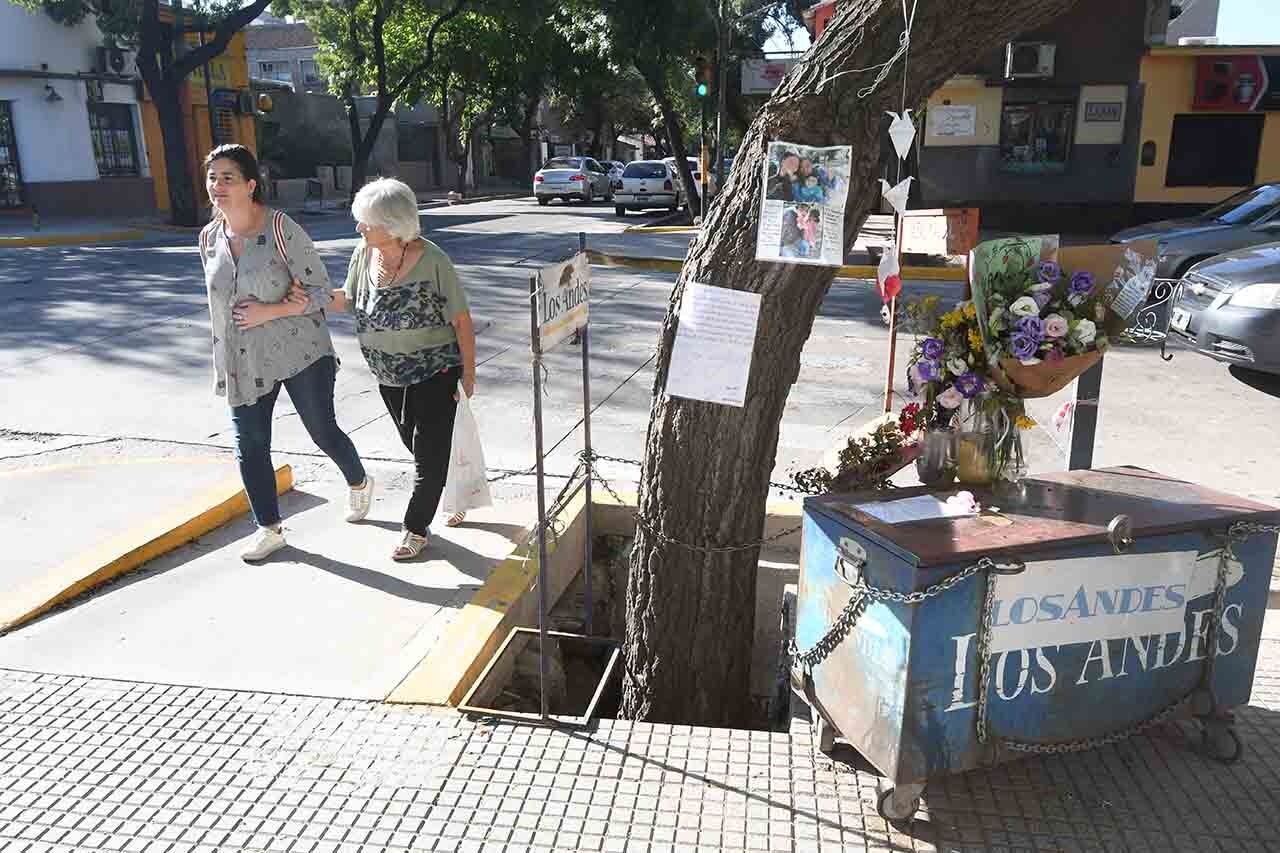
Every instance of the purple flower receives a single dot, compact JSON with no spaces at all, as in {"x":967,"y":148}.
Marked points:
{"x":933,"y":348}
{"x":929,"y":370}
{"x":1032,"y":327}
{"x":1050,"y":271}
{"x":969,"y":384}
{"x":1082,"y":282}
{"x":1023,"y":346}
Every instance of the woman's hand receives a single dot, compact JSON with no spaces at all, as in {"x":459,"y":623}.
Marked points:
{"x":249,"y":313}
{"x":468,"y":386}
{"x":297,"y":295}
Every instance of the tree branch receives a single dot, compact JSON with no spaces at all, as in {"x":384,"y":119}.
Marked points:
{"x":417,"y":70}
{"x":222,"y":36}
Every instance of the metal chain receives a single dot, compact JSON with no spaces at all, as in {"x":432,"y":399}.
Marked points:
{"x":1238,"y":532}
{"x":772,"y":484}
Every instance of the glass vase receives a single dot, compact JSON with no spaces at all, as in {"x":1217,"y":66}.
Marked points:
{"x":936,"y":464}
{"x":989,"y":446}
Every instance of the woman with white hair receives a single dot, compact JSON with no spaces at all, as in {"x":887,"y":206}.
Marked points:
{"x":415,"y":331}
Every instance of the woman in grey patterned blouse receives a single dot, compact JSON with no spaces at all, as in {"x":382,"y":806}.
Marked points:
{"x":415,"y":331}
{"x":261,"y":340}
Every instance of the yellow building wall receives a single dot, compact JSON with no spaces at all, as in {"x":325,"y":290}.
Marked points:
{"x":986,"y":100}
{"x":1169,"y":79}
{"x":228,"y":71}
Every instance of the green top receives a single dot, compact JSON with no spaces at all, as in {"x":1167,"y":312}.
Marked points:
{"x":405,"y":329}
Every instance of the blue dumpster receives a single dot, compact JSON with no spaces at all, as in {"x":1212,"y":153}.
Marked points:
{"x":1089,"y":606}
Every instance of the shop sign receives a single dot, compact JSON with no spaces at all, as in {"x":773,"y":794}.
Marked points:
{"x":1103,"y":111}
{"x":1239,"y":83}
{"x":762,"y":76}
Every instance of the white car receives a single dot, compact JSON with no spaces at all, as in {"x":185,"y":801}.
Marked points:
{"x":615,"y":168}
{"x":695,"y":168}
{"x":571,"y":177}
{"x":646,"y":184}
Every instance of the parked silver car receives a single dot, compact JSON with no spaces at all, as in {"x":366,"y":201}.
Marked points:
{"x":1228,"y":308}
{"x":571,"y":177}
{"x":1248,"y":218}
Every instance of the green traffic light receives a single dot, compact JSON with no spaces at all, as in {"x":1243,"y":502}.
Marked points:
{"x":702,"y":90}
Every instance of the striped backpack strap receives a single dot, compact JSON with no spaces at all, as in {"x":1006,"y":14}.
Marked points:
{"x":277,"y":231}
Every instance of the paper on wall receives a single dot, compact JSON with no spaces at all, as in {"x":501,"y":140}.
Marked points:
{"x":711,"y":356}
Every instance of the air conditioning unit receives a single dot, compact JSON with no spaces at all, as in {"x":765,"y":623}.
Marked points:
{"x":112,"y":60}
{"x":1029,"y":60}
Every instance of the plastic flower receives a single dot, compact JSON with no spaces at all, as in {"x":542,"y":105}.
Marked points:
{"x":1032,"y":327}
{"x":1050,"y":271}
{"x":1055,"y":326}
{"x":907,"y":418}
{"x":1084,"y":331}
{"x":932,"y":348}
{"x":1024,"y":422}
{"x":1023,"y":347}
{"x":1082,"y":282}
{"x":969,"y":385}
{"x":1025,"y":306}
{"x":950,"y":398}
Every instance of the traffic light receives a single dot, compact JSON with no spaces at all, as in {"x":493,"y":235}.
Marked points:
{"x":702,"y":73}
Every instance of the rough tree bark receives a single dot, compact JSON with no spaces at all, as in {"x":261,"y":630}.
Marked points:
{"x":705,"y":479}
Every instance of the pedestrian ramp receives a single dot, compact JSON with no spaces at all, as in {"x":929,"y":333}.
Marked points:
{"x":330,"y":615}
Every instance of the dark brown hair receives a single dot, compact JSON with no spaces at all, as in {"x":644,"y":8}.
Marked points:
{"x":245,"y":162}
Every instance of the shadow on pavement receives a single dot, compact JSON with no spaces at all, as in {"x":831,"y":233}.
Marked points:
{"x":1267,"y":383}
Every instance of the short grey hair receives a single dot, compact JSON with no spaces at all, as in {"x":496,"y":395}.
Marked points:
{"x":389,"y":204}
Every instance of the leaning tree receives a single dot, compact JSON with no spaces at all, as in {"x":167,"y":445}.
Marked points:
{"x":705,"y":478}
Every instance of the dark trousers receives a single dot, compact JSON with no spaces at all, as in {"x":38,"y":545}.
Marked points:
{"x":423,"y":414}
{"x":312,"y":394}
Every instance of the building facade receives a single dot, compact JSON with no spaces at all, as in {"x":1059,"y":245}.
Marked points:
{"x":283,"y":52}
{"x":72,"y":137}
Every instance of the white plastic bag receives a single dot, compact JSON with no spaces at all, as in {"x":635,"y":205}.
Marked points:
{"x":466,"y":487}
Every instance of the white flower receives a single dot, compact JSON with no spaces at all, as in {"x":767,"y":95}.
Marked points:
{"x":1055,"y":326}
{"x":1030,"y":361}
{"x":1084,"y":331}
{"x":957,"y":365}
{"x":1025,"y":306}
{"x":1041,"y":286}
{"x":950,"y":398}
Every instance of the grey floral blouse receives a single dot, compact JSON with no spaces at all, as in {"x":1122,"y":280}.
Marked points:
{"x":247,"y":363}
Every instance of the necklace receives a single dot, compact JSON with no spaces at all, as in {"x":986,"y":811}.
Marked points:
{"x":383,"y":279}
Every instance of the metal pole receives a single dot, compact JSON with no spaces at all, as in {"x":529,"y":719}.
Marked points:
{"x":586,"y":444}
{"x":1084,"y":419}
{"x":706,"y":163}
{"x":893,"y":324}
{"x":536,"y":344}
{"x":722,"y":62}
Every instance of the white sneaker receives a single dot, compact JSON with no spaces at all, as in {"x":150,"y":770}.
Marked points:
{"x":267,"y":541}
{"x":359,"y":500}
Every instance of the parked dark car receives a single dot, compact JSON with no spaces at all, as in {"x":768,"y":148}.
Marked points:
{"x":1228,"y":308}
{"x":1248,"y":218}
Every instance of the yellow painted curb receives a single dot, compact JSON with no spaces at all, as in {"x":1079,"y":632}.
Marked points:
{"x":70,"y":239}
{"x":160,"y":534}
{"x":664,"y":264}
{"x":662,"y":229}
{"x":445,"y":675}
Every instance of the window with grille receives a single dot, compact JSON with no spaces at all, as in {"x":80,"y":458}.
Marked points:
{"x":310,"y":72}
{"x":114,"y":146}
{"x":10,"y":174}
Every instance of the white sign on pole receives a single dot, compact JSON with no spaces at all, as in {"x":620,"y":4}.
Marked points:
{"x":959,"y":120}
{"x":1084,"y":599}
{"x":564,"y":292}
{"x":762,"y":76}
{"x":711,"y":357}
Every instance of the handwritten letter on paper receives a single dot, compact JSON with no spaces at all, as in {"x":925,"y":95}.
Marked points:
{"x":711,"y":357}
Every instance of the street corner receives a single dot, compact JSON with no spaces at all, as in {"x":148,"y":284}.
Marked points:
{"x":76,"y":526}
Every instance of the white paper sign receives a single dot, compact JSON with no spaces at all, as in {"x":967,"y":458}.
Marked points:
{"x":918,"y":508}
{"x":1083,"y":599}
{"x":960,"y":120}
{"x":711,"y":357}
{"x":564,"y":292}
{"x":802,"y":212}
{"x":762,"y":76}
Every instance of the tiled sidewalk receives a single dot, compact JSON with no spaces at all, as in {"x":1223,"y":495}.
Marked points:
{"x":90,"y":765}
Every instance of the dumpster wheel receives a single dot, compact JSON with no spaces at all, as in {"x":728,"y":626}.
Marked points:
{"x":1220,"y":742}
{"x":901,"y":803}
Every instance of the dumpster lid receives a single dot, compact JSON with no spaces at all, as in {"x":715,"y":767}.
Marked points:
{"x":1062,"y":508}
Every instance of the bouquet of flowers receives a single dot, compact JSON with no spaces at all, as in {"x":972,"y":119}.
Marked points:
{"x":1043,"y":325}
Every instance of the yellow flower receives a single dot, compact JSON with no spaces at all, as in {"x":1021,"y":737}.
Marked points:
{"x":975,"y":340}
{"x":970,"y":310}
{"x":951,"y":320}
{"x":1024,"y":422}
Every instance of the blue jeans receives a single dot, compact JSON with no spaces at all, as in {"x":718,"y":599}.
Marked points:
{"x":312,"y":394}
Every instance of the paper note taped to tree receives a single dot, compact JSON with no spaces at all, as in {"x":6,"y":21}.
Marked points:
{"x":711,"y":357}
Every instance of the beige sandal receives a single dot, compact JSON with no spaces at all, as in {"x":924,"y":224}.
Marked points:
{"x":411,"y":545}
{"x":456,"y":519}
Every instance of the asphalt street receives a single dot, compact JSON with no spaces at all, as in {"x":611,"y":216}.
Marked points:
{"x":112,"y":341}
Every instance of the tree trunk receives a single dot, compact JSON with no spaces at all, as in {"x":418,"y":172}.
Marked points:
{"x":183,"y":209}
{"x":675,"y":138}
{"x":705,"y":479}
